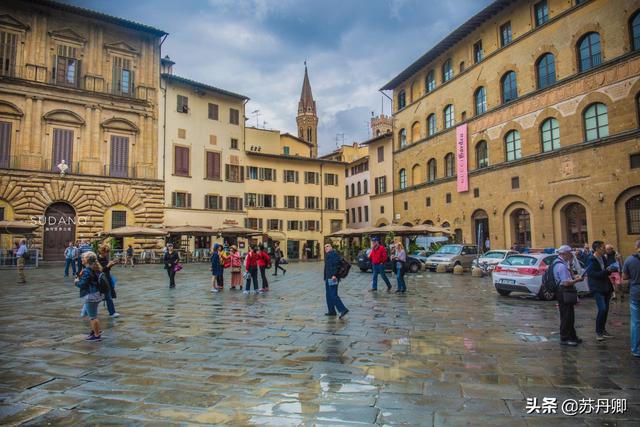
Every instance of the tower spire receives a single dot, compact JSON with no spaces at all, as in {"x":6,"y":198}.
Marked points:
{"x":307,"y":118}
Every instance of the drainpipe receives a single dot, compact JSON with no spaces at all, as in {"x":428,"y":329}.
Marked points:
{"x":321,"y":210}
{"x":164,"y":120}
{"x":393,"y":172}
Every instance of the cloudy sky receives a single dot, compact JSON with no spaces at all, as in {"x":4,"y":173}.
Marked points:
{"x":258,"y":48}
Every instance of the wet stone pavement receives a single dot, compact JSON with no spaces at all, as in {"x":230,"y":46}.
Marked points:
{"x":449,"y":352}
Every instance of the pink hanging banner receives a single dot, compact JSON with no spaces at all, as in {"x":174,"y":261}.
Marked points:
{"x":462,"y":158}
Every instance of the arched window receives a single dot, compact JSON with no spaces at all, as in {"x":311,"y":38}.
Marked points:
{"x":596,"y":122}
{"x":546,"y":70}
{"x":512,"y":145}
{"x":415,"y":132}
{"x":449,"y":118}
{"x":403,"y":179}
{"x":353,"y":189}
{"x":402,"y":99}
{"x":402,"y":136}
{"x":632,"y":209}
{"x":365,"y":185}
{"x":431,"y":124}
{"x":309,"y":135}
{"x":635,"y":31}
{"x":521,"y":227}
{"x":482,"y":155}
{"x":550,"y":135}
{"x":416,"y":176}
{"x":359,"y":186}
{"x":480,"y":98}
{"x":589,"y":52}
{"x":509,"y":87}
{"x":430,"y":81}
{"x":432,"y":172}
{"x":449,"y":166}
{"x":447,"y":71}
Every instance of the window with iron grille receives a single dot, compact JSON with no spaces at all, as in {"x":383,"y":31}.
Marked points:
{"x":8,"y":52}
{"x":632,"y":208}
{"x":213,"y":111}
{"x":118,"y":219}
{"x":428,"y":201}
{"x":122,"y":76}
{"x":1,"y":213}
{"x":476,"y":192}
{"x":213,"y":202}
{"x":406,"y":206}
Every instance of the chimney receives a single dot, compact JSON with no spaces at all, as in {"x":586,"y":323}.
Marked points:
{"x":166,"y":65}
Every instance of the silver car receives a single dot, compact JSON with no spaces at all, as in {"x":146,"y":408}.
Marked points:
{"x":452,"y":255}
{"x":488,"y":260}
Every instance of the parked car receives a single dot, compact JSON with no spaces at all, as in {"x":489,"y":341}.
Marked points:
{"x":364,"y":263}
{"x":422,"y":255}
{"x":488,"y":260}
{"x":452,"y":255}
{"x":523,"y":273}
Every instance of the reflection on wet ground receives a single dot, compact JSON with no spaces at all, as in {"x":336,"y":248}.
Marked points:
{"x":450,"y":352}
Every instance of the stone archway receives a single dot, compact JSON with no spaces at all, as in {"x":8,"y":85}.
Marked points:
{"x":59,"y":228}
{"x":520,"y":223}
{"x":574,"y":224}
{"x":480,"y":228}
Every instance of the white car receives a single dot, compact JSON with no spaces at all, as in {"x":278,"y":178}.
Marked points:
{"x":523,"y":273}
{"x":490,"y":259}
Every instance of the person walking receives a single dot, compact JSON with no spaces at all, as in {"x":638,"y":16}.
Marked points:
{"x":88,"y":285}
{"x":22,"y":255}
{"x":584,"y":253}
{"x":378,"y":256}
{"x":251,"y":271}
{"x":613,"y":263}
{"x":600,"y":286}
{"x":331,"y":264}
{"x":70,"y":259}
{"x":264,"y":262}
{"x":400,"y":260}
{"x":171,"y":259}
{"x":236,"y":267}
{"x":216,"y":268}
{"x":278,"y":256}
{"x":224,"y":262}
{"x":106,"y":264}
{"x":83,"y":247}
{"x":129,"y":258}
{"x":566,"y":282}
{"x":631,"y":273}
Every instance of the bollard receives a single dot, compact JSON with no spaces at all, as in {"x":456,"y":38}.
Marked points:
{"x":458,"y":269}
{"x":477,"y":272}
{"x":441,"y":268}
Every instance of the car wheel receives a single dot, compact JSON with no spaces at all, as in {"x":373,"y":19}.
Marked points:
{"x":414,"y":268}
{"x":364,"y":270}
{"x":546,"y":295}
{"x":503,"y":292}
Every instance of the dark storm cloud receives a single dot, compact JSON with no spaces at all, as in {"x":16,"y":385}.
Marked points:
{"x":257,"y":48}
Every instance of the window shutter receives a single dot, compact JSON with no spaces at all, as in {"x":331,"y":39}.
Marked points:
{"x":241,"y":173}
{"x":173,"y":199}
{"x":279,"y":224}
{"x":273,"y":201}
{"x":260,"y":201}
{"x":317,"y":225}
{"x":297,"y":202}
{"x":131,"y":83}
{"x":77,"y":76}
{"x":260,"y":224}
{"x":239,"y":204}
{"x":306,"y":178}
{"x":188,"y":200}
{"x":226,"y":172}
{"x":337,"y":207}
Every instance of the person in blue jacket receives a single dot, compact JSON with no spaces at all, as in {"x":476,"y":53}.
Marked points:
{"x":600,"y":286}
{"x":216,"y":268}
{"x":331,"y":264}
{"x":88,"y":285}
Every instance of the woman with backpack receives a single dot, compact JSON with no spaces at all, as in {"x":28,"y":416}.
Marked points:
{"x":88,"y":283}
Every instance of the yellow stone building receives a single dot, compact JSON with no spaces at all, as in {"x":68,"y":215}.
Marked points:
{"x":548,"y":92}
{"x":78,"y":122}
{"x":219,"y":172}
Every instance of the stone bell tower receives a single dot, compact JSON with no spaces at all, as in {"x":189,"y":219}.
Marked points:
{"x":307,"y":118}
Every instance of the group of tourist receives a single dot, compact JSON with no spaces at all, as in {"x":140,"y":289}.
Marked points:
{"x":602,"y":272}
{"x":379,"y":257}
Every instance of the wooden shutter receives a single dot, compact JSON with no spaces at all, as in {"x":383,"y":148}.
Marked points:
{"x":213,"y":165}
{"x":62,"y":148}
{"x":173,"y":199}
{"x":296,"y":177}
{"x":297,"y":202}
{"x":188,"y":197}
{"x":119,"y":166}
{"x":317,"y":203}
{"x":226,"y":172}
{"x":241,"y":173}
{"x":5,"y":144}
{"x":260,"y":224}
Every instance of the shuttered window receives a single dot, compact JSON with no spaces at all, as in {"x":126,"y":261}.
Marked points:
{"x":213,"y":111}
{"x":62,"y":149}
{"x":291,"y":202}
{"x":234,"y":116}
{"x":181,"y":161}
{"x":180,"y":199}
{"x":119,"y":156}
{"x":234,"y":203}
{"x":182,"y":104}
{"x":122,"y":76}
{"x":8,"y":49}
{"x":213,"y":166}
{"x":234,"y":173}
{"x":213,"y":202}
{"x":5,"y":144}
{"x":274,"y":224}
{"x":311,"y":178}
{"x":66,"y":68}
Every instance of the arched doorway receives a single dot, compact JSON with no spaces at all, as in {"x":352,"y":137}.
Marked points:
{"x":521,"y":227}
{"x":480,"y":232}
{"x":574,"y":217}
{"x":59,"y":229}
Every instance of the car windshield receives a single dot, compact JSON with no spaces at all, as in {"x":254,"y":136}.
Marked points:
{"x":449,"y":250}
{"x":520,"y":260}
{"x":494,"y":255}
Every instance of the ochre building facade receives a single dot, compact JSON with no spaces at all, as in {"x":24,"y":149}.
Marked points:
{"x":78,"y":122}
{"x":549,"y":94}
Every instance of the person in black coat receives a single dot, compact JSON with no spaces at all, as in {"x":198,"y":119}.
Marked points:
{"x":171,"y":258}
{"x":600,"y":285}
{"x":331,"y":264}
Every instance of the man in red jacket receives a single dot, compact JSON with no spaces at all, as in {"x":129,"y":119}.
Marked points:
{"x":378,"y":257}
{"x":264,"y":262}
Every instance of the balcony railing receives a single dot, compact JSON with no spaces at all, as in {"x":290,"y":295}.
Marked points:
{"x":74,"y":168}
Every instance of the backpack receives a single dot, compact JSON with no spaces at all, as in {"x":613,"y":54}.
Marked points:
{"x":549,"y":283}
{"x":343,"y":269}
{"x":104,"y":287}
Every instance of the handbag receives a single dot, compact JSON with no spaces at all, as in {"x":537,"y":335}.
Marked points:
{"x":235,"y":269}
{"x":177,"y":267}
{"x":569,"y":295}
